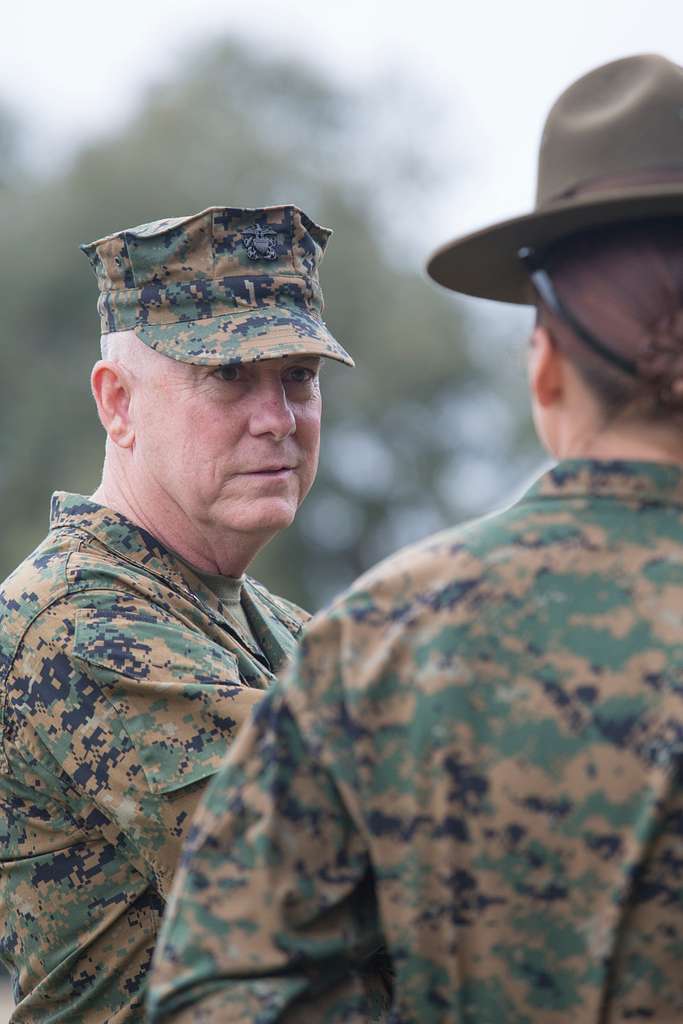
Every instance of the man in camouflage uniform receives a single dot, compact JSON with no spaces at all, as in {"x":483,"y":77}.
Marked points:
{"x":132,"y":645}
{"x":475,"y":759}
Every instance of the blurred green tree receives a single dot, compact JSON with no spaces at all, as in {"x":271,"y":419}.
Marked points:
{"x":9,"y":149}
{"x":421,"y":434}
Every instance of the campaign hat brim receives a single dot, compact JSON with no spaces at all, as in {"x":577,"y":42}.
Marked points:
{"x":486,"y":264}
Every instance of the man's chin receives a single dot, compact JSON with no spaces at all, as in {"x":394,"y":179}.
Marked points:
{"x":262,"y":517}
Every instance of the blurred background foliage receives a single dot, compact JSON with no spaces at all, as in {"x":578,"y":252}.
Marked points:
{"x":430,"y":428}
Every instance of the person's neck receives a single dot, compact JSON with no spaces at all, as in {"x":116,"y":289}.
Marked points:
{"x":227,"y":555}
{"x":630,"y":442}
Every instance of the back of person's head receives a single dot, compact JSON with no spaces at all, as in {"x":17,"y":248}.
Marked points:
{"x":625,"y":285}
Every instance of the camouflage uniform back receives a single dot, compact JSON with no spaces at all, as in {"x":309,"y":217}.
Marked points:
{"x":477,"y":757}
{"x":490,"y":724}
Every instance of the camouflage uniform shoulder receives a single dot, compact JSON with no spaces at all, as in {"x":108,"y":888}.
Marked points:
{"x":422,"y":566}
{"x":575,"y":505}
{"x":68,"y":563}
{"x":35,"y":585}
{"x":508,"y":540}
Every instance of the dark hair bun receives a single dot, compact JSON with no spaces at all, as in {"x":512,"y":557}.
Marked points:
{"x":660,"y":361}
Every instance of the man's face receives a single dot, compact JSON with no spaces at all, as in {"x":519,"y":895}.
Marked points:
{"x":230,"y":449}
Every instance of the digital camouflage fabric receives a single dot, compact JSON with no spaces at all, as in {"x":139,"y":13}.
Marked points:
{"x":475,"y":761}
{"x":222,"y":286}
{"x":123,"y":679}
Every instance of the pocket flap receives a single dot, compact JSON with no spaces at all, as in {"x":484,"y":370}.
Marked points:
{"x":177,"y":694}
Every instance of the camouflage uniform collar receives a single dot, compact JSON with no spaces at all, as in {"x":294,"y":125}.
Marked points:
{"x":131,"y":543}
{"x":651,"y":482}
{"x":114,"y":531}
{"x":134,"y":544}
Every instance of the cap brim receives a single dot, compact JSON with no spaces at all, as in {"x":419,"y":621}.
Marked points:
{"x":244,"y":336}
{"x":486,"y":264}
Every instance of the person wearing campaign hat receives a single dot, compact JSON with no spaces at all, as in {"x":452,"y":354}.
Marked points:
{"x":474,"y":762}
{"x":132,"y":641}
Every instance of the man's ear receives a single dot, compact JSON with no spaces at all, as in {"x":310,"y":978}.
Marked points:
{"x":111,"y":387}
{"x":546,"y":366}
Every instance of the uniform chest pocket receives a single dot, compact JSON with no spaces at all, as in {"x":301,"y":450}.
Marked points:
{"x":176,"y":695}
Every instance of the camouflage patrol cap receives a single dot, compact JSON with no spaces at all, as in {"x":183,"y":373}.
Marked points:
{"x":221,"y":286}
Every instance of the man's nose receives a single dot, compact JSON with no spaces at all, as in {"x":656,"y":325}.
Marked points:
{"x":271,"y":413}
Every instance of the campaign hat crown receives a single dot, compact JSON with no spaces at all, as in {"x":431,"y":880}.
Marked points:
{"x":222,"y":286}
{"x":611,"y":151}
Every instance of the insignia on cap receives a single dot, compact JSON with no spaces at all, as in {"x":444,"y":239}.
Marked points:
{"x":260,"y":243}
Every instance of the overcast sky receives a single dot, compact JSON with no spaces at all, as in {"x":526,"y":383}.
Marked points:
{"x":75,"y":69}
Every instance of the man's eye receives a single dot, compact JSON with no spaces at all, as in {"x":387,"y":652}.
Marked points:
{"x":300,"y":374}
{"x":229,"y":373}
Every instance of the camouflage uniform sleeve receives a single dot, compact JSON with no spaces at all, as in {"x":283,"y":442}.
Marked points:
{"x":272,"y":916}
{"x":120,"y":703}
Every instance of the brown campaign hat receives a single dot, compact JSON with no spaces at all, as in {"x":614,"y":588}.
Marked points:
{"x":611,"y":151}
